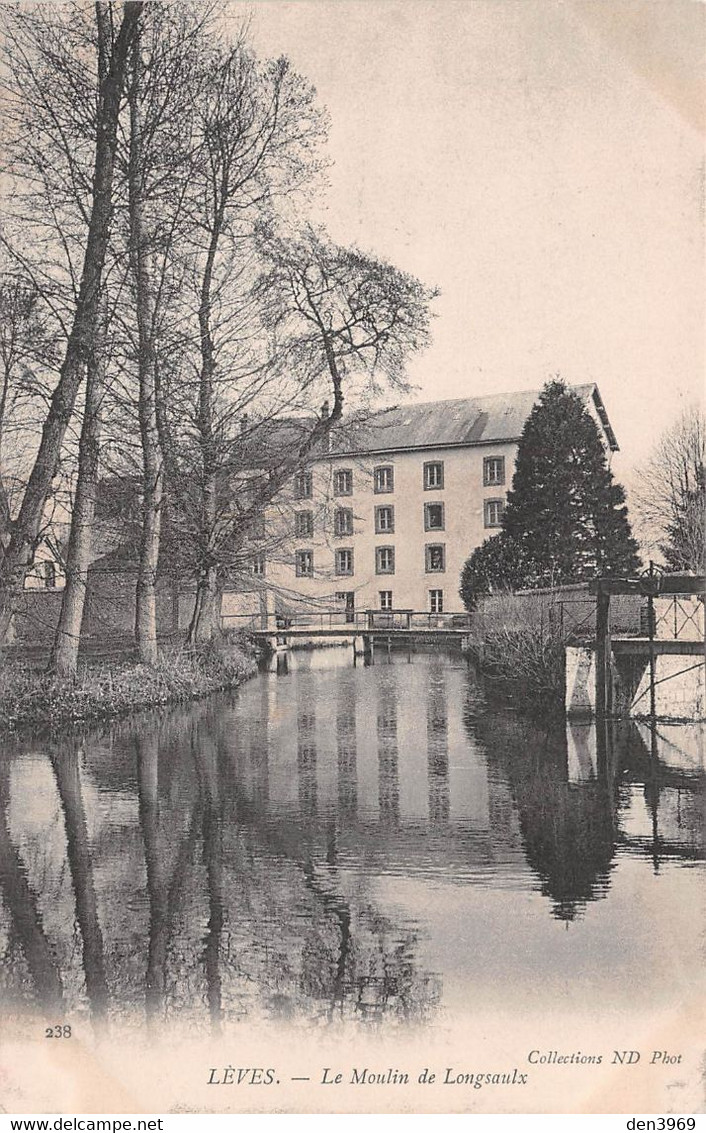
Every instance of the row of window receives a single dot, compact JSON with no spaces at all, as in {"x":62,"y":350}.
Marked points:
{"x":384,"y":478}
{"x":436,"y":600}
{"x":434,"y":561}
{"x":434,"y":519}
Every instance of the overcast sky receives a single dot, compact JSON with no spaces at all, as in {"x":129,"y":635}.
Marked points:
{"x":541,"y":162}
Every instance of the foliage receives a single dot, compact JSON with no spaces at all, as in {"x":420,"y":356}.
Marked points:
{"x":498,"y":562}
{"x":565,"y":519}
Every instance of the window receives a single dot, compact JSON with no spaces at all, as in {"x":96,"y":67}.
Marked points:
{"x":434,"y":474}
{"x":303,"y":486}
{"x":384,"y":478}
{"x":257,"y":526}
{"x":384,"y":520}
{"x":48,"y":571}
{"x":493,"y":470}
{"x":435,"y":557}
{"x":258,"y":564}
{"x":344,"y":562}
{"x":346,"y":598}
{"x":343,"y":482}
{"x":304,"y":523}
{"x":436,"y":601}
{"x":433,"y":517}
{"x":384,"y":560}
{"x":343,"y":521}
{"x":493,"y":512}
{"x":304,"y":561}
{"x":385,"y":599}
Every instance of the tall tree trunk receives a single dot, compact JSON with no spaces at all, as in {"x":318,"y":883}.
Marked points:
{"x":205,"y":621}
{"x":17,"y":557}
{"x":64,"y":655}
{"x":152,"y":462}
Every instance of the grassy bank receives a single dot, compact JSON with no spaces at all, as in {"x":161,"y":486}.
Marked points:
{"x":104,"y":689}
{"x":517,"y":647}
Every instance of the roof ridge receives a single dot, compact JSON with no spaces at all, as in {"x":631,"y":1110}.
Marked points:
{"x":480,"y":397}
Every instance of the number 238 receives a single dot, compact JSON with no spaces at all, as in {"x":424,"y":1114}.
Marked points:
{"x":62,"y":1031}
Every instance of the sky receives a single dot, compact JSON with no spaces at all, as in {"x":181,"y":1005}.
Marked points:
{"x":541,"y":163}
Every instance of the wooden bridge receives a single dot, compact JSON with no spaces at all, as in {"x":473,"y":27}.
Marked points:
{"x":361,"y":627}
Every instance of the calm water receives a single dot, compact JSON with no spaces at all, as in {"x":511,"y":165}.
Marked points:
{"x":373,"y":843}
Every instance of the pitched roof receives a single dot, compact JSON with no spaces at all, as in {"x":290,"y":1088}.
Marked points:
{"x":462,"y":421}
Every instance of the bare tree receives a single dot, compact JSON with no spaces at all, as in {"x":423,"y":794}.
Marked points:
{"x":259,"y":131}
{"x":26,"y":347}
{"x":113,"y":49}
{"x":342,"y":325}
{"x":152,"y":463}
{"x":670,"y":494}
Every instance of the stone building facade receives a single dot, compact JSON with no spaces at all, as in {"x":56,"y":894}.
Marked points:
{"x":387,"y":518}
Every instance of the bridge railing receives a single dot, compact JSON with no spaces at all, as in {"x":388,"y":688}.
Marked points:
{"x":347,"y":621}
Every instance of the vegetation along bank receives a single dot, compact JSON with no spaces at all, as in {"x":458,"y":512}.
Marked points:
{"x":105,"y":689}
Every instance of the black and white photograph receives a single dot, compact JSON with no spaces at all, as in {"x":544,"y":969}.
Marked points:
{"x":352,"y":557}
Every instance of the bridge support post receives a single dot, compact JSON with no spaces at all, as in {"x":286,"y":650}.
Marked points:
{"x":604,"y":686}
{"x":363,"y":646}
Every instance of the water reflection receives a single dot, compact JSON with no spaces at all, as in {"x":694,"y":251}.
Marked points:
{"x":232,"y":859}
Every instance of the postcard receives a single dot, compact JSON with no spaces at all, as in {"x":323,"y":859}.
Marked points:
{"x":352,"y":455}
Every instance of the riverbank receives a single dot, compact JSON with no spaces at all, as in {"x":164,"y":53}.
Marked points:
{"x":111,"y":688}
{"x":518,"y":647}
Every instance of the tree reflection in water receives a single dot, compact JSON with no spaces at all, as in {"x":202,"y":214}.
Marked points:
{"x":212,"y":901}
{"x":27,"y":953}
{"x":238,"y":858}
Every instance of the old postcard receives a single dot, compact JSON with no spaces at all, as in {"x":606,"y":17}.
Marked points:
{"x":352,"y":449}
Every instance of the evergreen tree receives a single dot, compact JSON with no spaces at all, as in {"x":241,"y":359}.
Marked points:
{"x":565,"y":519}
{"x":496,"y":565}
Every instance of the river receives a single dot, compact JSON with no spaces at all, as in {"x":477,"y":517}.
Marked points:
{"x":376,"y":844}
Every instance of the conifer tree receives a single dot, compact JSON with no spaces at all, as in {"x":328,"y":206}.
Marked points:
{"x":565,"y":519}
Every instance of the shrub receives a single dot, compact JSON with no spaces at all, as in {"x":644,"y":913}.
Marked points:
{"x":515,"y":640}
{"x":110,"y":689}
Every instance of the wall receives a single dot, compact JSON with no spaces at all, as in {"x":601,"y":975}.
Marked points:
{"x":463,"y":496}
{"x":574,"y":609}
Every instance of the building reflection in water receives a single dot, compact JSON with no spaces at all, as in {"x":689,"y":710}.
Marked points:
{"x":346,"y":747}
{"x":438,"y":748}
{"x":222,"y":859}
{"x":388,"y":756}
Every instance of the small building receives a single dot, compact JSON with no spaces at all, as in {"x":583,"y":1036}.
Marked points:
{"x":386,"y":518}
